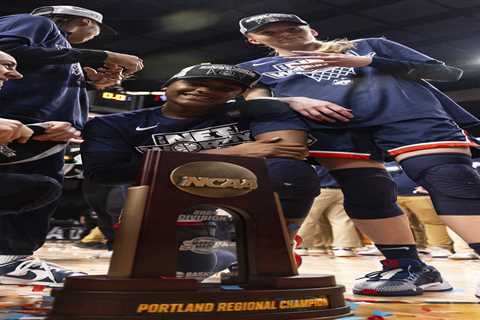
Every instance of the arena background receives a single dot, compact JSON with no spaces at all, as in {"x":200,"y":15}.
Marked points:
{"x":170,"y":33}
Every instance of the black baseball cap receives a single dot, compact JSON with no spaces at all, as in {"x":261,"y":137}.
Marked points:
{"x":74,"y":11}
{"x":252,"y":23}
{"x":242,"y":77}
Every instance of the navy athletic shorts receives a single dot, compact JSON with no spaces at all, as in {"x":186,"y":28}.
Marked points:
{"x":389,"y":139}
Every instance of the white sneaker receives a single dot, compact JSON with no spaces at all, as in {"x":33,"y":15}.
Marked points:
{"x":464,"y":256}
{"x":439,"y":252}
{"x":33,"y":272}
{"x":310,"y":251}
{"x":369,"y":251}
{"x":344,"y":252}
{"x":302,"y":251}
{"x":316,"y":251}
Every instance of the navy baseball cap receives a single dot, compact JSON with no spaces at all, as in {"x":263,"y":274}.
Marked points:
{"x":252,"y":23}
{"x":242,"y":77}
{"x":74,"y":11}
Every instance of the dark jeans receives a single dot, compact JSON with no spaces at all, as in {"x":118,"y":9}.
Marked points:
{"x":29,"y":196}
{"x":107,"y":202}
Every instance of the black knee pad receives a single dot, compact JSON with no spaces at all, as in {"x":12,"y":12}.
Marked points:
{"x":452,"y":182}
{"x":296,"y":183}
{"x":369,"y":193}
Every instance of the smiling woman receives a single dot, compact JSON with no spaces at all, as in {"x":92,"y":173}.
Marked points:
{"x":8,"y":68}
{"x":198,"y":97}
{"x":364,"y":101}
{"x":198,"y":117}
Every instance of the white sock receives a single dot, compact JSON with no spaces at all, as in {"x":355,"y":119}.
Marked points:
{"x":4,"y":259}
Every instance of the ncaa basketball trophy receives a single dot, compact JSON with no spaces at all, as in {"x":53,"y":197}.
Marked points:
{"x":208,"y":193}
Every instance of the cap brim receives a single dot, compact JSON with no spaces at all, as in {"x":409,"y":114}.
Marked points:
{"x":265,"y":24}
{"x":107,"y":30}
{"x":169,"y":81}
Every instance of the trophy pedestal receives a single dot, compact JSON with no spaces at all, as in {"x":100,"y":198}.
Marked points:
{"x":101,"y":297}
{"x":142,"y":280}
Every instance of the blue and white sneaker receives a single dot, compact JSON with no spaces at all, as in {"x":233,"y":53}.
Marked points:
{"x":401,"y":277}
{"x":30,"y":271}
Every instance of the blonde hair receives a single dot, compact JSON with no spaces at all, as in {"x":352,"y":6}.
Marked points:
{"x":336,"y":46}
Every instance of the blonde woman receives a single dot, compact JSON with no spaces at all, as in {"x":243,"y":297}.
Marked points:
{"x":364,"y":100}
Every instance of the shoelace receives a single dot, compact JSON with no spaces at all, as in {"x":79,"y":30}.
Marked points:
{"x":48,"y":267}
{"x":377,"y":275}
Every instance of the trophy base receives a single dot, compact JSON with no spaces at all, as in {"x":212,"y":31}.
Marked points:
{"x":101,"y":297}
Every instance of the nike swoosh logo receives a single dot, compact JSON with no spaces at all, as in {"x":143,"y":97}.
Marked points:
{"x":146,"y":128}
{"x":261,"y":64}
{"x":397,"y":248}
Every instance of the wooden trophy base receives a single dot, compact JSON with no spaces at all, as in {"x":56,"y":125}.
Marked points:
{"x":101,"y":297}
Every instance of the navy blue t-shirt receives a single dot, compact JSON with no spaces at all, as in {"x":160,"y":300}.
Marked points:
{"x":376,"y":97}
{"x":46,"y":92}
{"x":128,"y":135}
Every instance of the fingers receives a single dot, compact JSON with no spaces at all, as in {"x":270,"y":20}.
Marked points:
{"x":76,"y":140}
{"x":130,"y":63}
{"x":133,"y":68}
{"x":11,"y":130}
{"x":90,"y":73}
{"x":327,"y":112}
{"x":297,"y":153}
{"x":315,"y":115}
{"x":338,"y":113}
{"x":58,"y":131}
{"x":312,"y":64}
{"x":59,"y":136}
{"x":341,"y":111}
{"x":271,"y":140}
{"x":25,"y":134}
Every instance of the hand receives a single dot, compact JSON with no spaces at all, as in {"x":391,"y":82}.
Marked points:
{"x":104,"y":77}
{"x":420,"y":190}
{"x":319,"y":110}
{"x":58,"y":131}
{"x":315,"y":60}
{"x":13,"y":130}
{"x":268,"y":148}
{"x":130,"y":63}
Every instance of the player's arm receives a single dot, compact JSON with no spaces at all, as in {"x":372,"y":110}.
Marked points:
{"x":433,"y":70}
{"x":25,"y":41}
{"x":277,"y":131}
{"x":277,"y":144}
{"x":258,"y":93}
{"x":399,"y":59}
{"x":390,"y":57}
{"x":39,"y":56}
{"x":318,"y":110}
{"x":107,"y":158}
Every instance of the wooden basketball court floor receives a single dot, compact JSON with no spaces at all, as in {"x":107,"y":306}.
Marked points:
{"x":32,"y":303}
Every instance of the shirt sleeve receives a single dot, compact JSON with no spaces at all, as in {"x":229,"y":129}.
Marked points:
{"x":107,"y":157}
{"x":25,"y":39}
{"x":31,"y":55}
{"x":31,"y":30}
{"x":267,"y":115}
{"x":396,"y":58}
